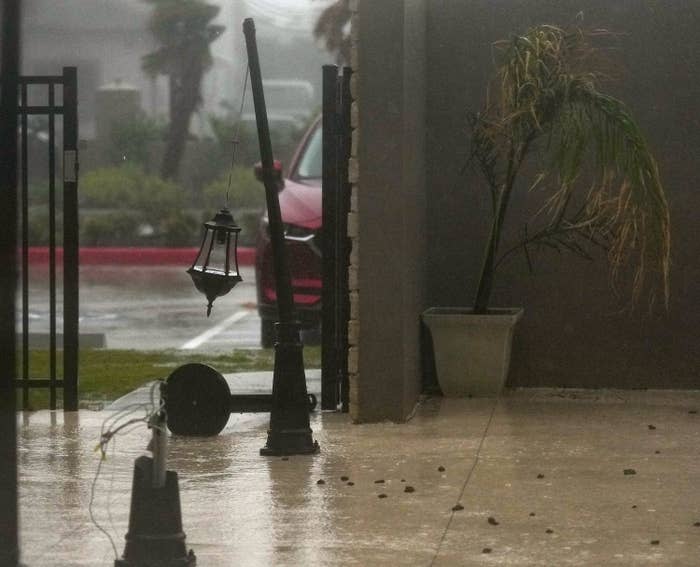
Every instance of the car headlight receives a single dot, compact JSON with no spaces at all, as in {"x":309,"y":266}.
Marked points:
{"x":298,"y":233}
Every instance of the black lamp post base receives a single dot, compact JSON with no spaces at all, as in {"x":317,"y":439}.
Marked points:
{"x":289,"y":432}
{"x":290,"y":442}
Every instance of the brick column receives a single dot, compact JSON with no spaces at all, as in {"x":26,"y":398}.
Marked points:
{"x":353,"y":232}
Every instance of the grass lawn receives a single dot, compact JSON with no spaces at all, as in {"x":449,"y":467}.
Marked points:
{"x":106,"y":375}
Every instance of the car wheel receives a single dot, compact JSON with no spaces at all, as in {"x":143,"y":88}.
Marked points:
{"x":267,"y":333}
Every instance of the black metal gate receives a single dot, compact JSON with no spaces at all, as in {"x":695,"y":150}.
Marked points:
{"x":336,"y":245}
{"x":60,"y":95}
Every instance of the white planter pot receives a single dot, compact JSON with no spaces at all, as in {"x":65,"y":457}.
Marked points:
{"x":472,"y":352}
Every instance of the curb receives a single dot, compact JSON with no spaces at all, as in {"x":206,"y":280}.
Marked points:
{"x":133,"y":256}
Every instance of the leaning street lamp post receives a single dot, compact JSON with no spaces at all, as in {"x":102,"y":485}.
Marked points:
{"x":289,"y":432}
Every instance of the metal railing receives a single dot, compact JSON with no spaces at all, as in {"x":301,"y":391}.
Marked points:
{"x":63,"y":87}
{"x":336,"y":245}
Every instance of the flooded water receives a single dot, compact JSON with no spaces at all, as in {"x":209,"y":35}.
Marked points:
{"x":539,"y":478}
{"x":142,"y":307}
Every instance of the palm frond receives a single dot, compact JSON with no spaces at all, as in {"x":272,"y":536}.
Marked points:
{"x":548,"y":93}
{"x":331,"y":28}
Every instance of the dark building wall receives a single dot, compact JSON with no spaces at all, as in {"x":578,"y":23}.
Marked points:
{"x":573,"y":333}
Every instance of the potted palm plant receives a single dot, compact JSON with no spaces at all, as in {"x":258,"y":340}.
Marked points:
{"x":596,"y":179}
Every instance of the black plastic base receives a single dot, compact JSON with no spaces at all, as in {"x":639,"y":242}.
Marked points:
{"x":155,"y":537}
{"x":189,"y":561}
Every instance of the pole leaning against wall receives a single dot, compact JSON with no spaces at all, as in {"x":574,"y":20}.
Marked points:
{"x":289,"y":433}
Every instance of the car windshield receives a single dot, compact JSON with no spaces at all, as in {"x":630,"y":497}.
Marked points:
{"x":310,"y":162}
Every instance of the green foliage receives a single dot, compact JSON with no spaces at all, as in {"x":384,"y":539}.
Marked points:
{"x":203,"y":163}
{"x":125,"y":206}
{"x":38,"y":227}
{"x":245,"y":192}
{"x":114,"y":228}
{"x":128,"y":187}
{"x":284,"y":138}
{"x":179,"y":228}
{"x":226,"y":129}
{"x":246,"y":200}
{"x":597,"y":178}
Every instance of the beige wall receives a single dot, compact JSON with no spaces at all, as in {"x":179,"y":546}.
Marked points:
{"x":389,"y":197}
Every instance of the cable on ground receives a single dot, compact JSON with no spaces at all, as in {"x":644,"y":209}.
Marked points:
{"x":111,"y":426}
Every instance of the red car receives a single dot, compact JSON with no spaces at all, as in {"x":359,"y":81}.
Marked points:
{"x":300,"y":206}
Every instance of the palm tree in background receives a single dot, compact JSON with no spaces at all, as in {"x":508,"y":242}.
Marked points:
{"x":332,"y":28}
{"x":184,"y":32}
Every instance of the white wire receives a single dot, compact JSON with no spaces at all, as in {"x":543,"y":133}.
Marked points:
{"x":109,"y":422}
{"x":119,"y":423}
{"x":92,"y":515}
{"x":110,"y":492}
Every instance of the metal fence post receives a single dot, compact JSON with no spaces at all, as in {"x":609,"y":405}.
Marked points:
{"x":70,"y":240}
{"x":9,"y":73}
{"x":330,"y":185}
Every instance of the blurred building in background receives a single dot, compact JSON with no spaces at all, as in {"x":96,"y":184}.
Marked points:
{"x":106,"y":39}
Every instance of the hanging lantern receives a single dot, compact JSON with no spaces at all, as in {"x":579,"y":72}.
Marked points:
{"x":215,"y":270}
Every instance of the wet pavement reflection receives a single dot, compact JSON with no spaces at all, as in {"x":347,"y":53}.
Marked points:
{"x":548,"y":487}
{"x":150,"y":307}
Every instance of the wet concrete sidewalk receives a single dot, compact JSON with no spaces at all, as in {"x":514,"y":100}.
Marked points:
{"x":560,"y":478}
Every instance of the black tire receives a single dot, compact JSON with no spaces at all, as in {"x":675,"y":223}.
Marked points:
{"x":198,"y":401}
{"x":267,"y":333}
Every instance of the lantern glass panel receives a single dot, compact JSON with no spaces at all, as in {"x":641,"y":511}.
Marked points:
{"x":203,"y":257}
{"x":218,"y":252}
{"x":218,"y":258}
